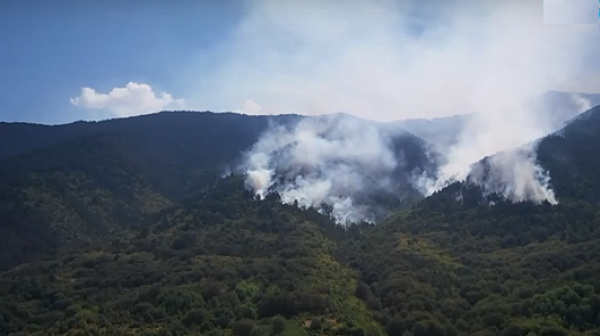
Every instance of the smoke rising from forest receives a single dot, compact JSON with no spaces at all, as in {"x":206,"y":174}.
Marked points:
{"x":323,"y":161}
{"x":391,"y":61}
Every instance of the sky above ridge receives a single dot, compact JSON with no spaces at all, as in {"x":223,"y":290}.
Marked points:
{"x":378,"y":59}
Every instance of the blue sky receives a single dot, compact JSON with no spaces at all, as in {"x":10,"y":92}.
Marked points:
{"x":381,"y":59}
{"x":48,"y":51}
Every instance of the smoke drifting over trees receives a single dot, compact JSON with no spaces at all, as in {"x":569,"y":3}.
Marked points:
{"x":323,"y":161}
{"x":490,"y":58}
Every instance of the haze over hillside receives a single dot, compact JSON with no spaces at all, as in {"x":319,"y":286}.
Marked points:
{"x":554,"y":107}
{"x":338,"y":164}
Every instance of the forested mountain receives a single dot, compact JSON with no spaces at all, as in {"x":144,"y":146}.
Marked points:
{"x":219,"y":261}
{"x":506,"y":269}
{"x":166,"y":133}
{"x":568,"y":155}
{"x":69,"y":183}
{"x":101,"y":243}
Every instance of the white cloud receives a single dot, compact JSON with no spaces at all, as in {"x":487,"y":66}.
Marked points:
{"x":133,"y":99}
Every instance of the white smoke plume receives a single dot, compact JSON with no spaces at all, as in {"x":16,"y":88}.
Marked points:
{"x":391,"y":60}
{"x":504,"y":120}
{"x":514,"y":171}
{"x":322,"y":161}
{"x":515,"y":175}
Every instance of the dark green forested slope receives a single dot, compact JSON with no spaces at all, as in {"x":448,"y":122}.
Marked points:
{"x":70,"y":193}
{"x":173,"y":147}
{"x":510,"y":269}
{"x":179,"y":152}
{"x":571,"y":156}
{"x":156,"y":131}
{"x":71,"y":183}
{"x":504,"y":270}
{"x":222,"y":263}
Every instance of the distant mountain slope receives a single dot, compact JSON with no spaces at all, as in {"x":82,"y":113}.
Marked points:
{"x":554,"y":107}
{"x":441,"y":132}
{"x":159,"y":129}
{"x":72,"y":183}
{"x":177,"y":144}
{"x":559,"y":107}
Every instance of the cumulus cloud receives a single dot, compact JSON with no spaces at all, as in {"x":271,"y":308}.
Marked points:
{"x":133,"y":99}
{"x":390,"y":60}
